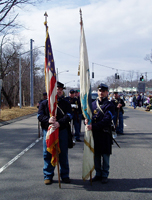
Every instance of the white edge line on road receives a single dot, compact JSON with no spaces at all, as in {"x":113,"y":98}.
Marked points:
{"x":19,"y":155}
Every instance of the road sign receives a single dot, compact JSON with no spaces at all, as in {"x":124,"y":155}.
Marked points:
{"x":141,"y":87}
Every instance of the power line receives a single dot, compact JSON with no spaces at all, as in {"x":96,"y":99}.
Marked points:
{"x":113,"y":68}
{"x":101,"y":64}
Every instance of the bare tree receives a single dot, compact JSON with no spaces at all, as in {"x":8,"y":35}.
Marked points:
{"x":10,"y":74}
{"x":130,"y":77}
{"x":149,"y":57}
{"x":8,"y":12}
{"x":9,"y":70}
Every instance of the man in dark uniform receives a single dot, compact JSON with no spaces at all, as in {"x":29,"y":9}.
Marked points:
{"x":75,"y":113}
{"x":38,"y":105}
{"x":44,"y":98}
{"x":102,"y":114}
{"x":79,"y":108}
{"x":119,"y":104}
{"x":61,"y":121}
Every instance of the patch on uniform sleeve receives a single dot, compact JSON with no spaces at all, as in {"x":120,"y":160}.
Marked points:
{"x":111,"y":114}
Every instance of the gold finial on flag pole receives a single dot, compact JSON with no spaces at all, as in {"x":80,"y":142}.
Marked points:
{"x":81,"y":17}
{"x":45,"y":23}
{"x":46,"y":15}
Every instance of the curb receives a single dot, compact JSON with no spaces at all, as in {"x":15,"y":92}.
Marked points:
{"x":139,"y":108}
{"x":17,"y":119}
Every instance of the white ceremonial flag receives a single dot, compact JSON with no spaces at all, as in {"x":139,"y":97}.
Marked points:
{"x":86,"y":103}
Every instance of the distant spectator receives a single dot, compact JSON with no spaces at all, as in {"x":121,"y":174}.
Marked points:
{"x":138,"y":100}
{"x":142,"y":99}
{"x":130,"y":100}
{"x":147,"y":101}
{"x":127,"y":99}
{"x":77,"y":95}
{"x":134,"y":101}
{"x":151,"y":100}
{"x":150,"y":103}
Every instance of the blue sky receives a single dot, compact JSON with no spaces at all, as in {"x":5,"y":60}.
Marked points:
{"x":70,"y":3}
{"x":118,"y":35}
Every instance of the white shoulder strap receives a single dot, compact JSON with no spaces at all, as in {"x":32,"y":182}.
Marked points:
{"x":60,"y":110}
{"x":97,"y":103}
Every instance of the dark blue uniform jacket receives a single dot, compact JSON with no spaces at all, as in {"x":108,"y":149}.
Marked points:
{"x":116,"y":102}
{"x":75,"y":111}
{"x":63,"y":119}
{"x":101,"y":126}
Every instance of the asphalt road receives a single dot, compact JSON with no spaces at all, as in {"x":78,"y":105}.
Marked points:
{"x":21,"y":163}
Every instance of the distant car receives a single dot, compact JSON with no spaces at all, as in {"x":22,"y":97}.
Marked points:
{"x":94,"y":96}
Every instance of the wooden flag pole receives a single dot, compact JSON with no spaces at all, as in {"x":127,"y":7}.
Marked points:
{"x":38,"y":129}
{"x":91,"y":177}
{"x":57,"y":155}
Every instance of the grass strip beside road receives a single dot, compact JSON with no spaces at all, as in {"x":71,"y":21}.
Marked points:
{"x":15,"y":112}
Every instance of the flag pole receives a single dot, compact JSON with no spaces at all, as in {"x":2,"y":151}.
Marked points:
{"x":81,"y":24}
{"x":57,"y":154}
{"x":56,"y":147}
{"x":81,"y":21}
{"x":80,"y":37}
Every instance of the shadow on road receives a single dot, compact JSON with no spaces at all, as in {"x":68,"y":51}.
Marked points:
{"x":142,"y":185}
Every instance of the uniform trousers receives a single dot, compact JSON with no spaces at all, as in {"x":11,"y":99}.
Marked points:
{"x":48,"y":169}
{"x":134,"y":104}
{"x":77,"y":129}
{"x":119,"y":128}
{"x":80,"y":120}
{"x":102,"y":166}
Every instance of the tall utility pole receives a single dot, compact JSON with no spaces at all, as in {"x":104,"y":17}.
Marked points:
{"x":146,"y":76}
{"x":20,"y":85}
{"x":31,"y":74}
{"x":57,"y":74}
{"x":0,"y":76}
{"x":92,"y":70}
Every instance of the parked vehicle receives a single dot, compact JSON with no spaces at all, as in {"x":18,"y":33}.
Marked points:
{"x":94,"y":96}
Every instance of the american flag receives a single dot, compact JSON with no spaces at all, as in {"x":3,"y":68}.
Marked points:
{"x":52,"y":137}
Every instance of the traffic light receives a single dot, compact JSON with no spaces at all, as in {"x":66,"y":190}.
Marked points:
{"x":116,"y":76}
{"x":142,"y":78}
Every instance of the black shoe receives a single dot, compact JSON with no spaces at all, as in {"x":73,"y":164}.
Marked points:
{"x":104,"y":180}
{"x":119,"y":133}
{"x":96,"y":178}
{"x":66,"y":180}
{"x":78,"y":140}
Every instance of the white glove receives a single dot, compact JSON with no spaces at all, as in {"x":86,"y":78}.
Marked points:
{"x":52,"y":120}
{"x":74,"y":106}
{"x":55,"y":125}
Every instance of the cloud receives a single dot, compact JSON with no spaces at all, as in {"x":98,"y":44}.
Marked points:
{"x":118,"y":34}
